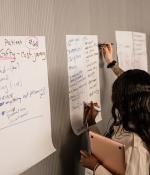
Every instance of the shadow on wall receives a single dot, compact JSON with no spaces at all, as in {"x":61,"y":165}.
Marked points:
{"x":70,"y":155}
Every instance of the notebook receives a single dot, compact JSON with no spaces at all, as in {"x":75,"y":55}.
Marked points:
{"x":110,"y":152}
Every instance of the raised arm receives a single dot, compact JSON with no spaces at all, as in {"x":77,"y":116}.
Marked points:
{"x":106,"y":52}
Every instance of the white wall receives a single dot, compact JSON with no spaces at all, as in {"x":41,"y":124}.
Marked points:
{"x":55,"y":19}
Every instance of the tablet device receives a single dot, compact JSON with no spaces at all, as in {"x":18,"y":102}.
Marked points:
{"x":110,"y":152}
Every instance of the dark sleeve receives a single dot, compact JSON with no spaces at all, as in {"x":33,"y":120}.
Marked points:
{"x":94,"y":128}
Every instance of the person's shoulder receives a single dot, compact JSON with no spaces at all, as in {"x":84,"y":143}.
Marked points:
{"x":138,"y":142}
{"x":129,"y":139}
{"x":124,"y":137}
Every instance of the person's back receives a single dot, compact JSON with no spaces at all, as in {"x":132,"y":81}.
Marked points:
{"x":131,"y":114}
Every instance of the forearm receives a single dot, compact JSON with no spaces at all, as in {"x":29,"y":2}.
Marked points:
{"x":117,"y":70}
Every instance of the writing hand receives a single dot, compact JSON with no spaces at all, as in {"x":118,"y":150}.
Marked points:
{"x":106,"y":51}
{"x":90,"y":113}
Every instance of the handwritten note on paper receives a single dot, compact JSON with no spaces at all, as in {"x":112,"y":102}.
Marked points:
{"x":131,"y":50}
{"x":25,"y":128}
{"x":83,"y":75}
{"x":140,"y":52}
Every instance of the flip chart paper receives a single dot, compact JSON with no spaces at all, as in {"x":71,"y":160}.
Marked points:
{"x":83,"y":76}
{"x":25,"y":120}
{"x":131,"y":50}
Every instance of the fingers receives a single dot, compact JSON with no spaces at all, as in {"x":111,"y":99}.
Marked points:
{"x":90,"y":113}
{"x":109,"y":47}
{"x":104,"y":50}
{"x":84,"y":157}
{"x":93,"y":105}
{"x":92,"y":108}
{"x":105,"y":47}
{"x":86,"y":113}
{"x":96,"y":104}
{"x":83,"y":153}
{"x":86,"y":108}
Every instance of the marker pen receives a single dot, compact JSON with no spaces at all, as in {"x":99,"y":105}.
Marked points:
{"x":98,"y":109}
{"x":104,"y":44}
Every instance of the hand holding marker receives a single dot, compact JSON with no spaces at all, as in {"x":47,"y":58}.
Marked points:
{"x":98,"y":109}
{"x":90,"y":112}
{"x":101,"y":45}
{"x":95,"y":106}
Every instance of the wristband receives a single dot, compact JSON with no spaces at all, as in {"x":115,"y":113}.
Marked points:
{"x":96,"y":166}
{"x":110,"y":65}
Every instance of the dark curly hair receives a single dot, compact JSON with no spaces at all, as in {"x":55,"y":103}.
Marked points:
{"x":131,"y":103}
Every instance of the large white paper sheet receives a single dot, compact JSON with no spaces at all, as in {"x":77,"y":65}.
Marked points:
{"x":131,"y":50}
{"x":83,"y":76}
{"x":25,"y":120}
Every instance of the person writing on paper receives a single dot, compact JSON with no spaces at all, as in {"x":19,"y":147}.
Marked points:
{"x":131,"y":126}
{"x":106,"y":51}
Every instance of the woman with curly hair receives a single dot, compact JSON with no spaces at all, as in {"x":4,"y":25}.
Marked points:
{"x":131,"y":124}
